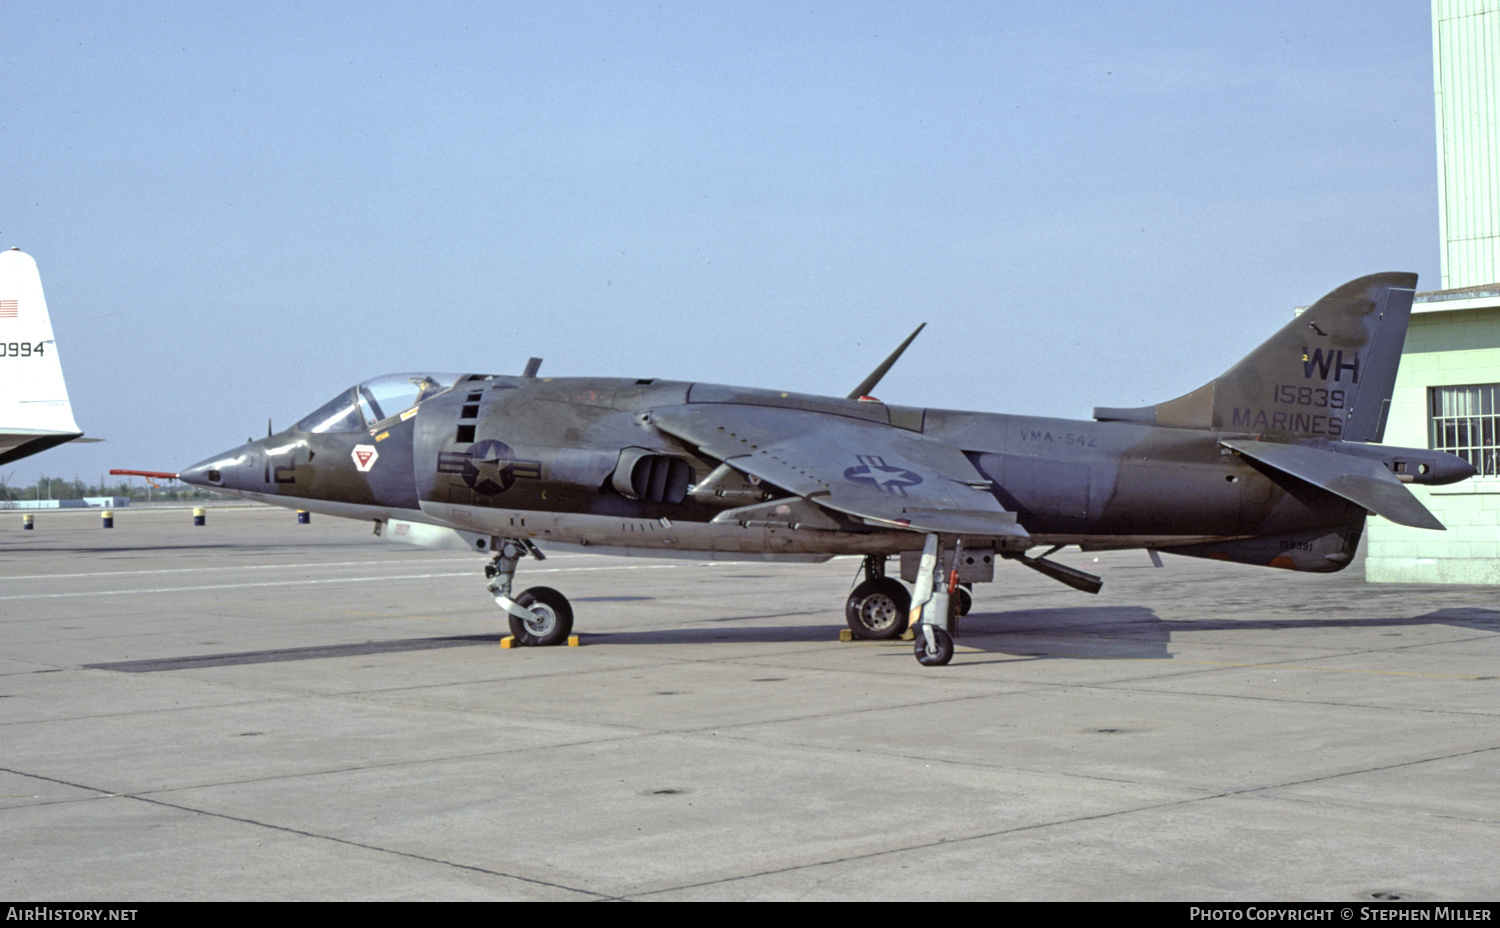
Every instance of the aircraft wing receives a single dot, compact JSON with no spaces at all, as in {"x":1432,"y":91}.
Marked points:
{"x":1362,"y":481}
{"x":879,"y":474}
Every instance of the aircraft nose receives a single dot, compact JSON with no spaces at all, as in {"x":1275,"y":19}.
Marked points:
{"x":221,"y":472}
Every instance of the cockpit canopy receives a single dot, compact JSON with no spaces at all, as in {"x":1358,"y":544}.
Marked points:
{"x":361,"y":407}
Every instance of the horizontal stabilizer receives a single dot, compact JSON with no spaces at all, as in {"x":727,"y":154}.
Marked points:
{"x":1362,"y":481}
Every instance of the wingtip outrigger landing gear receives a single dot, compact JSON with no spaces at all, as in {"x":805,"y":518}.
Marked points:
{"x":934,"y":646}
{"x":538,"y":616}
{"x":932,"y":615}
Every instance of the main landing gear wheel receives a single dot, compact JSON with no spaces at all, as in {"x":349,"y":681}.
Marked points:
{"x":965,"y":599}
{"x":552,"y":618}
{"x":934,"y":646}
{"x":878,"y":608}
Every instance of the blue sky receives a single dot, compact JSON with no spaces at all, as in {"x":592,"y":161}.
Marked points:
{"x":239,"y":210}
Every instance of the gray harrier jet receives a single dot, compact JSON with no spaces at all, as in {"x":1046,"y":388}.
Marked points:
{"x":1274,"y":463}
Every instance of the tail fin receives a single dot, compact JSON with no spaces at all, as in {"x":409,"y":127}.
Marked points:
{"x":1327,"y":374}
{"x":34,"y":410}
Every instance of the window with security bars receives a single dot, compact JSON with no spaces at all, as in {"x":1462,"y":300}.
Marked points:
{"x":1466,"y":422}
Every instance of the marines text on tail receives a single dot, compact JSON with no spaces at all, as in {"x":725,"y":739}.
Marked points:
{"x":1274,"y":463}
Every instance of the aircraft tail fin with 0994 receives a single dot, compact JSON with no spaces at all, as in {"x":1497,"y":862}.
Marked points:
{"x":34,"y":410}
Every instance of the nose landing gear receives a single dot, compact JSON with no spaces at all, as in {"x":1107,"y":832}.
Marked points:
{"x":539,"y":616}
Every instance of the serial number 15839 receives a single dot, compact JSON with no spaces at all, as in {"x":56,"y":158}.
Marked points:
{"x":1309,"y":396}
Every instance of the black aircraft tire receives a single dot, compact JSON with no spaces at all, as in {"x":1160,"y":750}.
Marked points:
{"x":554,"y":618}
{"x":941,"y":654}
{"x":878,"y":609}
{"x":965,"y":600}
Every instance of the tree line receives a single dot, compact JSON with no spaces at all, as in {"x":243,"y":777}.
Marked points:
{"x":59,"y":488}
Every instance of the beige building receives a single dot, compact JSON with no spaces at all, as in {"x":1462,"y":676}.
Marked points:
{"x":1448,"y":393}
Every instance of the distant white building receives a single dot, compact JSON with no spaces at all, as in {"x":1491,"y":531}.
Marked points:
{"x":1448,"y":392}
{"x":88,"y":502}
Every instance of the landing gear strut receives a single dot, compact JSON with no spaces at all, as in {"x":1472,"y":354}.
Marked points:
{"x":878,"y":606}
{"x":932,"y":614}
{"x":539,"y":615}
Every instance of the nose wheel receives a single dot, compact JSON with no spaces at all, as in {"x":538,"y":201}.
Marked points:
{"x":539,"y":616}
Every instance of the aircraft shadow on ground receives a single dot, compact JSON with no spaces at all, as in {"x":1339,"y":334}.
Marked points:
{"x":1114,"y":632}
{"x":1098,"y":632}
{"x":148,"y":550}
{"x":718,"y":633}
{"x":1111,"y":632}
{"x":1476,"y":618}
{"x":319,"y":652}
